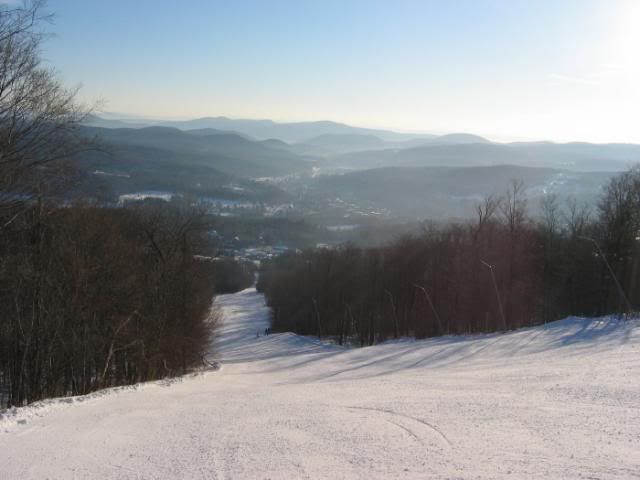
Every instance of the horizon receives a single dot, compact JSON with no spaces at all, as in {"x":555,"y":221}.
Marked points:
{"x":504,"y":70}
{"x":134,"y":118}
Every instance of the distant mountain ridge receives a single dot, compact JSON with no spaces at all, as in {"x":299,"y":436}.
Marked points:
{"x":283,"y":145}
{"x":422,"y":177}
{"x":291,"y":132}
{"x":459,"y":139}
{"x":202,"y":163}
{"x":228,"y":152}
{"x":572,"y":156}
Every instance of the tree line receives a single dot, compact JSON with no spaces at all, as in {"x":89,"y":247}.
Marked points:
{"x":501,"y":271}
{"x":94,"y":297}
{"x":90,"y":297}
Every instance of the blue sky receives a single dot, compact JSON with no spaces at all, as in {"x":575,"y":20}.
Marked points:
{"x":510,"y":69}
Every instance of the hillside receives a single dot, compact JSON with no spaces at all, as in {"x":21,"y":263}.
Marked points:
{"x":441,"y":192}
{"x":555,"y":401}
{"x":458,"y":153}
{"x":201,"y":163}
{"x":346,"y":142}
{"x":228,"y":152}
{"x":130,"y":169}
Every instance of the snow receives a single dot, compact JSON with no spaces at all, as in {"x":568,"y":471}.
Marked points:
{"x":138,"y":196}
{"x":111,"y":174}
{"x":559,"y":401}
{"x":343,"y":228}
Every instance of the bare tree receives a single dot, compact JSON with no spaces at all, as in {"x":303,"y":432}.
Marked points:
{"x":550,"y":213}
{"x":514,"y":205}
{"x":38,"y":116}
{"x":576,"y":217}
{"x":487,"y":209}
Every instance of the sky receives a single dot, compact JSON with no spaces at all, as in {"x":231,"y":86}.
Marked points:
{"x":508,"y":69}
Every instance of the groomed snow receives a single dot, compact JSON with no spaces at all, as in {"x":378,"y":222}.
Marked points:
{"x":560,"y":401}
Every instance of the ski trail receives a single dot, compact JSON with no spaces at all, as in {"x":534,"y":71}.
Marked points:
{"x":559,"y":401}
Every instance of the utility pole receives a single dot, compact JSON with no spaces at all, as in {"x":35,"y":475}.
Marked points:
{"x":495,"y":287}
{"x":627,"y":303}
{"x":433,"y":309}
{"x":393,"y":310}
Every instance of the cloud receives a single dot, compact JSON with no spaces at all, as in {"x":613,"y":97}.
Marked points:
{"x":603,"y":74}
{"x":588,"y":80}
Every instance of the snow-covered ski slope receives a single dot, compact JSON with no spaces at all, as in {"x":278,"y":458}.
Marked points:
{"x":561,"y":401}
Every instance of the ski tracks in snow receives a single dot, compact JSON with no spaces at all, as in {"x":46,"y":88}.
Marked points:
{"x":432,"y":428}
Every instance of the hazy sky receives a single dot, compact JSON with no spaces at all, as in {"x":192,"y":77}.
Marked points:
{"x":536,"y":69}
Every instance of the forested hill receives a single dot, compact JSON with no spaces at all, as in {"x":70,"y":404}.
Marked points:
{"x":228,"y":152}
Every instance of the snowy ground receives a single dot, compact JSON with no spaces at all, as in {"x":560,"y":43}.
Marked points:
{"x":561,"y":401}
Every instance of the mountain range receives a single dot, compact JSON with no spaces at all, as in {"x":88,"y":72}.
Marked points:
{"x":410,"y":174}
{"x":345,"y":146}
{"x":293,"y":132}
{"x":572,"y":156}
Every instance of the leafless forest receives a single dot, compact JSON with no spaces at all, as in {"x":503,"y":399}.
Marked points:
{"x":90,"y":296}
{"x":502,"y":271}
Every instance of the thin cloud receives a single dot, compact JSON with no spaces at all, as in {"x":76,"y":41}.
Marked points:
{"x":565,"y":79}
